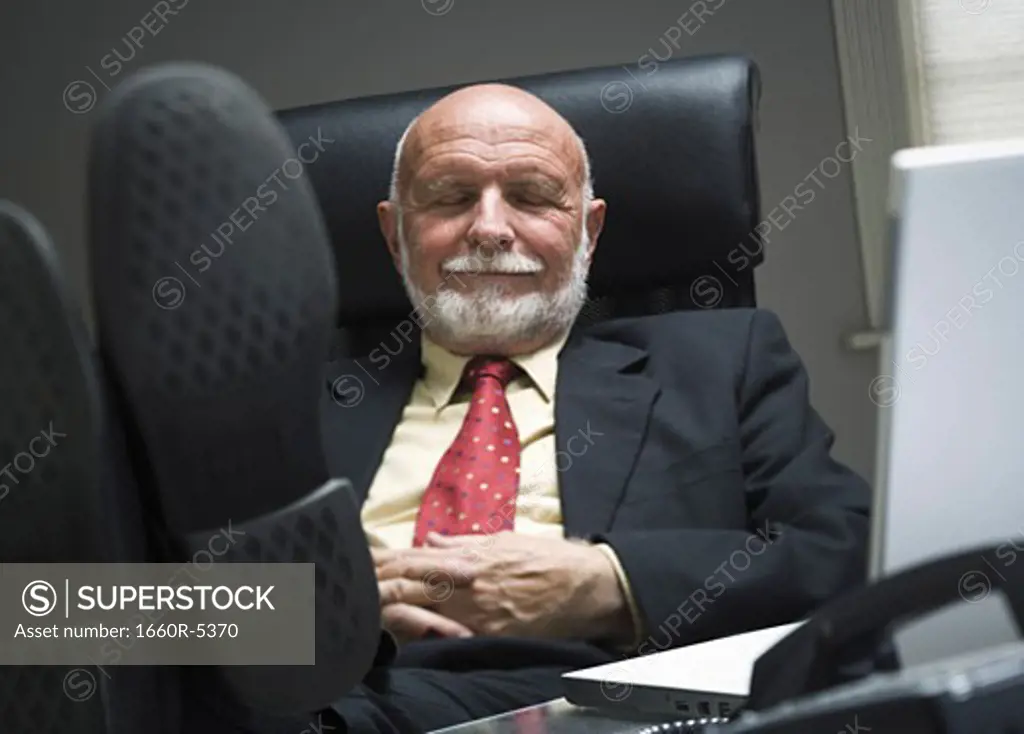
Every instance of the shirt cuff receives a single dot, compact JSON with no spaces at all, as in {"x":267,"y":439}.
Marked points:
{"x":627,"y":592}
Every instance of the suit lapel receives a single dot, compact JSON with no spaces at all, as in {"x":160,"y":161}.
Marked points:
{"x":601,"y":411}
{"x":362,"y":404}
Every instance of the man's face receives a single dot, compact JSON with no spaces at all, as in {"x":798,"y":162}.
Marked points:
{"x":494,"y":238}
{"x":508,"y":198}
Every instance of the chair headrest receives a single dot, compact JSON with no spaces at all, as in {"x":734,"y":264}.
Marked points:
{"x":672,"y":153}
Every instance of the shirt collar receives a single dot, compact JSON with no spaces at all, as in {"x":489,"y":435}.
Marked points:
{"x":443,"y":370}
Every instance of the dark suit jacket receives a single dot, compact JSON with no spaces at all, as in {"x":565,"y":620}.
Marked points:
{"x":687,"y":442}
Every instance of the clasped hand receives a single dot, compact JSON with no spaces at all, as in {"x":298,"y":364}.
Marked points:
{"x":501,"y":584}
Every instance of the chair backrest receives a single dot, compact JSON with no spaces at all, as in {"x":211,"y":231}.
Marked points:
{"x":672,"y":153}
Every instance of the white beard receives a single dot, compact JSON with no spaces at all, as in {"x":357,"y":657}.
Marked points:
{"x":489,"y":317}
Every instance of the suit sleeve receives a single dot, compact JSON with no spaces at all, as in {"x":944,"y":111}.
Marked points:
{"x":808,"y":519}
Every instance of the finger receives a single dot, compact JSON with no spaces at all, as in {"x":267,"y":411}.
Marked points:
{"x":390,"y":564}
{"x":433,"y":588}
{"x":383,"y":555}
{"x":436,"y":540}
{"x":433,"y":563}
{"x":474,"y":540}
{"x":404,"y":591}
{"x":412,"y":621}
{"x":403,"y":621}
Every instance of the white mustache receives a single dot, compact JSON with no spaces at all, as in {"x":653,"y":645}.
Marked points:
{"x":503,"y":263}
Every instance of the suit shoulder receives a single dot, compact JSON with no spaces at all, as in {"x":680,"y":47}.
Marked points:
{"x":716,"y":340}
{"x":727,"y":323}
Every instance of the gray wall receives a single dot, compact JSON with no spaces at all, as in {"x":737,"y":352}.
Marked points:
{"x":308,"y":51}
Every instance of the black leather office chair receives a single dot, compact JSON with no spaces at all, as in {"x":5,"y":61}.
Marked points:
{"x":673,"y":156}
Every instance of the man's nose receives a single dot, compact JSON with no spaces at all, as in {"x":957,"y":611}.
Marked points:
{"x":491,"y":227}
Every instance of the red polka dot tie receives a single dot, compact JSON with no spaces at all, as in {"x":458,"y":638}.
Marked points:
{"x":474,"y":487}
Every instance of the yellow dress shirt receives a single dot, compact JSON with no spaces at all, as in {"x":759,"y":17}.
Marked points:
{"x":429,"y":424}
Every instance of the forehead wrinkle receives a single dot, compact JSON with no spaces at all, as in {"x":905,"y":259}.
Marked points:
{"x":523,"y":164}
{"x":490,"y":134}
{"x":475,"y":127}
{"x":434,"y":168}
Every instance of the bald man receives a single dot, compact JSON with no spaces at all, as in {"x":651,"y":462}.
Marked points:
{"x":539,"y":497}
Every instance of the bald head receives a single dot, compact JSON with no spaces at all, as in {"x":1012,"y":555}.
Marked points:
{"x":489,"y":111}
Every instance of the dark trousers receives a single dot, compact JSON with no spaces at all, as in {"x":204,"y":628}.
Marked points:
{"x":439,"y":683}
{"x":427,"y":685}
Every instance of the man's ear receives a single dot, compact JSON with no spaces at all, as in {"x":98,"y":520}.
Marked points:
{"x":595,"y":223}
{"x":387,"y":218}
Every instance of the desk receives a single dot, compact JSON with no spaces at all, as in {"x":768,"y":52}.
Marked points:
{"x":561,"y":717}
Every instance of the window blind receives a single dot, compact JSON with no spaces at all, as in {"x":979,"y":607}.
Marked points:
{"x":970,"y":58}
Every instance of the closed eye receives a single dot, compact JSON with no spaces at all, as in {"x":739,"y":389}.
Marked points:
{"x":532,"y":199}
{"x":453,"y":199}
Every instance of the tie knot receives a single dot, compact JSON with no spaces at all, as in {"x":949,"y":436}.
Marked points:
{"x":499,"y":368}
